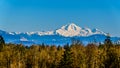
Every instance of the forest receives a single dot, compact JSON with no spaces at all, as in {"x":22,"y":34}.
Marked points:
{"x":75,"y":55}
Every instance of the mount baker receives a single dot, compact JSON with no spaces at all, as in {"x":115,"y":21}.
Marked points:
{"x":57,"y":37}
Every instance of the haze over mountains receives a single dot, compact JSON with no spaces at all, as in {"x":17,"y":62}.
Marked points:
{"x":57,"y":37}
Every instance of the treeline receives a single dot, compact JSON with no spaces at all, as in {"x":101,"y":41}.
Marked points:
{"x":76,"y":55}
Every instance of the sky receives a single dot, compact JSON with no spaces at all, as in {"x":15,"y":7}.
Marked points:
{"x":45,"y":15}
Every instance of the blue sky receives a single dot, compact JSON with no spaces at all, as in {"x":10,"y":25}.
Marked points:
{"x":44,"y":15}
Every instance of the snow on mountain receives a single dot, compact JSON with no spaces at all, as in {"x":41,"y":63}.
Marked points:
{"x":97,"y":31}
{"x":71,"y":30}
{"x":71,"y":27}
{"x":23,"y":39}
{"x":45,"y":33}
{"x":32,"y":33}
{"x":58,"y":37}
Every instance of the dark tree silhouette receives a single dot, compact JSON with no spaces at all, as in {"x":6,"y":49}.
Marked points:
{"x":108,"y":41}
{"x":67,"y":60}
{"x":2,"y":43}
{"x":2,"y":40}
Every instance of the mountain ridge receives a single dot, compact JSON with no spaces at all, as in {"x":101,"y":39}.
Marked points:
{"x":69,"y":30}
{"x":60,"y":36}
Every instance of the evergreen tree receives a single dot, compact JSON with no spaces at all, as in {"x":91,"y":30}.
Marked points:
{"x":110,"y":57}
{"x":66,"y":61}
{"x":2,"y":43}
{"x":2,"y":40}
{"x":108,"y":41}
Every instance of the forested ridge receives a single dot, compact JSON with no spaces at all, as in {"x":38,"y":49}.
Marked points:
{"x":76,"y":55}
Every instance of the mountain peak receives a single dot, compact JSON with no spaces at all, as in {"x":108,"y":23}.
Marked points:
{"x":72,"y":24}
{"x":71,"y":27}
{"x":74,"y":30}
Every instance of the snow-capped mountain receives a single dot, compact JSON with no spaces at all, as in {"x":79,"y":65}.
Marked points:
{"x":59,"y":36}
{"x":69,"y":30}
{"x":74,"y":30}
